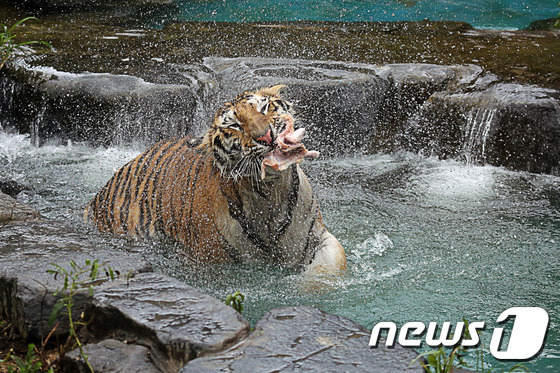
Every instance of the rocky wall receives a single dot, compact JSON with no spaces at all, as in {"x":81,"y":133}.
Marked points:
{"x":457,"y":111}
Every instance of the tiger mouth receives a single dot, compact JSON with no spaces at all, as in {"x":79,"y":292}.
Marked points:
{"x":287,"y":148}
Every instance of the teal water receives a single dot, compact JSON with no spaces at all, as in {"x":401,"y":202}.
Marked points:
{"x":499,"y":14}
{"x":426,"y":240}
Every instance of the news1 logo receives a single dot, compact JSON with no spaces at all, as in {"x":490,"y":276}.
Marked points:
{"x":525,"y":341}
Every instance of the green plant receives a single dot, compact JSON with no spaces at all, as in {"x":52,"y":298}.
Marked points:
{"x":75,"y":282}
{"x":29,"y":364}
{"x":7,"y":44}
{"x":235,"y":300}
{"x":438,"y":361}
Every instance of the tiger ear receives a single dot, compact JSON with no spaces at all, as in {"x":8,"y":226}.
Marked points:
{"x":271,"y":91}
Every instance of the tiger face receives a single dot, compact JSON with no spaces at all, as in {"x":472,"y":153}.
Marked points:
{"x":253,"y":132}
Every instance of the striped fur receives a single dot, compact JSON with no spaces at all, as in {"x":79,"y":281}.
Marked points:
{"x":211,"y":199}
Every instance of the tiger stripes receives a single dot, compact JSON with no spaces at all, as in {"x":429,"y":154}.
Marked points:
{"x":208,"y":195}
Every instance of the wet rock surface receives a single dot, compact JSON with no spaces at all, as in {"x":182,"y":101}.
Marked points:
{"x":457,"y":111}
{"x":99,"y":43}
{"x":12,"y":187}
{"x":109,"y":84}
{"x":177,"y":321}
{"x":102,"y":109}
{"x":111,"y":356}
{"x":504,"y":124}
{"x":293,"y":339}
{"x":27,"y":249}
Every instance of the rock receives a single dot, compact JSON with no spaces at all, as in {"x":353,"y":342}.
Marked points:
{"x":177,"y":321}
{"x":110,"y":356}
{"x":509,"y":125}
{"x":12,"y":210}
{"x":336,"y":102}
{"x":549,"y":24}
{"x":100,"y":43}
{"x":345,"y":107}
{"x":103,"y":109}
{"x":306,"y":339}
{"x":12,"y":188}
{"x":27,"y":250}
{"x":410,"y":86}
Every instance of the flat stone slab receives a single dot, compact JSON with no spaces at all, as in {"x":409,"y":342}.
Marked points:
{"x":295,"y":339}
{"x":27,"y":249}
{"x":177,"y":321}
{"x":111,"y":356}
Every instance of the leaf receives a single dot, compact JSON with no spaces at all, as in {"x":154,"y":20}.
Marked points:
{"x":94,"y":270}
{"x":56,"y":311}
{"x":60,"y":269}
{"x":20,"y":22}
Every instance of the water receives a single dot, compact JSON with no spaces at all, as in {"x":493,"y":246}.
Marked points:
{"x":499,"y":14}
{"x":426,"y":240}
{"x":479,"y":122}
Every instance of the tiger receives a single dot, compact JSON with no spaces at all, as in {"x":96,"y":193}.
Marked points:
{"x":236,"y":194}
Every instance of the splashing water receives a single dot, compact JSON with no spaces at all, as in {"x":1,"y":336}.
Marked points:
{"x":479,"y":122}
{"x":426,"y":240}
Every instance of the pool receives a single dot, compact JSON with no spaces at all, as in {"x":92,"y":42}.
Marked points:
{"x":427,"y":240}
{"x":496,"y":14}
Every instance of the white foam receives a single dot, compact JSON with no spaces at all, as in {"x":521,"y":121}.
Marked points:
{"x":375,"y":245}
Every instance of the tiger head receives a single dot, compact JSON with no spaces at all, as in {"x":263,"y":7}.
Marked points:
{"x":255,"y":131}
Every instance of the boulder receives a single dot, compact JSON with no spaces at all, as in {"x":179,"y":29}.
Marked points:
{"x":176,"y":321}
{"x":110,"y":356}
{"x":336,"y":102}
{"x":100,"y":108}
{"x":12,"y":187}
{"x":509,"y":125}
{"x":294,"y":339}
{"x":410,"y":86}
{"x":28,"y":249}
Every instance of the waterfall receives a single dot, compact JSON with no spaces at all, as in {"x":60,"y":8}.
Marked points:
{"x":478,"y":123}
{"x":7,"y":89}
{"x":36,"y":127}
